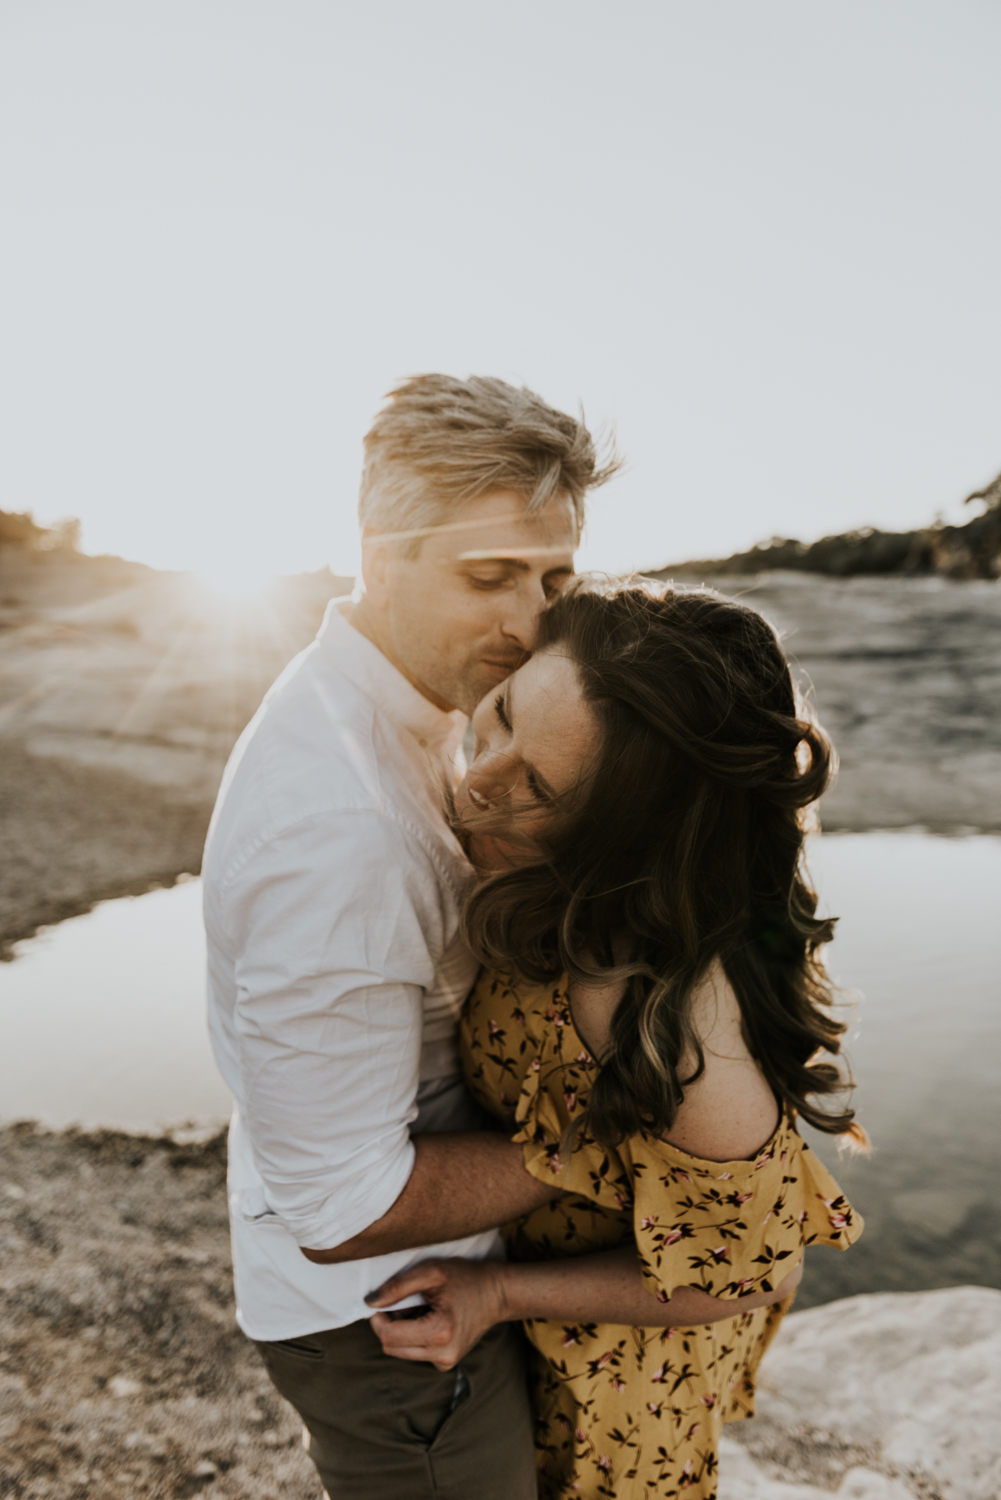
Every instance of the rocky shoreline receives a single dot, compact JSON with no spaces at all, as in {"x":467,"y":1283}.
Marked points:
{"x":891,"y":1396}
{"x":122,"y":1371}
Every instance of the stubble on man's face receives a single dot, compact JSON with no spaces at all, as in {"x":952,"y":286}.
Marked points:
{"x":464,"y":612}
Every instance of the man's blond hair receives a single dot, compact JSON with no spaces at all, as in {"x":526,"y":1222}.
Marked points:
{"x":440,"y":442}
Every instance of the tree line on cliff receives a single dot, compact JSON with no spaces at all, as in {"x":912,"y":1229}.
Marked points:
{"x":969,"y":551}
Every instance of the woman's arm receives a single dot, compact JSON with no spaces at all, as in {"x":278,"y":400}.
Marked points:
{"x":609,"y":1288}
{"x":466,"y":1298}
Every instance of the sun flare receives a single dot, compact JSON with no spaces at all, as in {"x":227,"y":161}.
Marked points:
{"x":230,"y":580}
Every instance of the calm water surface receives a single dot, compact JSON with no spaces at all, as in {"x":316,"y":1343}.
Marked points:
{"x":920,"y":942}
{"x":103,"y":1024}
{"x":103,"y":1019}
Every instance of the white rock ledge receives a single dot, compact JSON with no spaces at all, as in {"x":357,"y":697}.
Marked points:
{"x":892,"y":1396}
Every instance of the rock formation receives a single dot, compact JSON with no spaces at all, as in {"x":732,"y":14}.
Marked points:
{"x":892,"y":1396}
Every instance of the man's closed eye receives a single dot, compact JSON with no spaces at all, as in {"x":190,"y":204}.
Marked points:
{"x":501,"y":713}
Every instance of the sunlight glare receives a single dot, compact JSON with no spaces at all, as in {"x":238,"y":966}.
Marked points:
{"x":234,"y":579}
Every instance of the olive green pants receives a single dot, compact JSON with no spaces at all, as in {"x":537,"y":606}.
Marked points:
{"x":391,"y":1429}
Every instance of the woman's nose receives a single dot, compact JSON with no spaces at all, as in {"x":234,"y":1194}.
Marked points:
{"x":490,"y":777}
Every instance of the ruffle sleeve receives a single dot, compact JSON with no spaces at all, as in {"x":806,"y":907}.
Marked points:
{"x":732,"y":1228}
{"x":553,"y":1098}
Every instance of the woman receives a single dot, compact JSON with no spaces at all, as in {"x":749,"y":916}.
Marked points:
{"x":647,"y":1024}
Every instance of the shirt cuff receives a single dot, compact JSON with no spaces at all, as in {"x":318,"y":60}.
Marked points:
{"x":333,"y":1223}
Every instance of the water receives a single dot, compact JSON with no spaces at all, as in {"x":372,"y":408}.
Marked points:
{"x":920,"y":940}
{"x":103,"y":1023}
{"x":103,"y":1019}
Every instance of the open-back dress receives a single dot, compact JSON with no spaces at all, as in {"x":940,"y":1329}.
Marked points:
{"x":624,"y":1413}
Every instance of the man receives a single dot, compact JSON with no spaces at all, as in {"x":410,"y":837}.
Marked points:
{"x":333,"y":886}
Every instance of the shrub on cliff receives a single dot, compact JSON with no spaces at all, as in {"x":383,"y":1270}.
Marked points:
{"x":20,"y":529}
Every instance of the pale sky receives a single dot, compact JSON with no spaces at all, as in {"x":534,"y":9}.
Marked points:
{"x":762,"y":239}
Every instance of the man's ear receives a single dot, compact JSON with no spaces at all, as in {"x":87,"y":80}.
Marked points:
{"x":375,"y":561}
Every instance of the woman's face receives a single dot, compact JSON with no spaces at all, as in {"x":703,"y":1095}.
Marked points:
{"x":536,"y":738}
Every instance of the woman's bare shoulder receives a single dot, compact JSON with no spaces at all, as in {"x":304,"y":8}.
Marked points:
{"x":730,"y":1112}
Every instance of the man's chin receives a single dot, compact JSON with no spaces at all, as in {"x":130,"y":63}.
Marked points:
{"x":492,"y":673}
{"x":474,"y":686}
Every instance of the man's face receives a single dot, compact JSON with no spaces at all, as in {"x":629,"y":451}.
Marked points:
{"x":463,"y":613}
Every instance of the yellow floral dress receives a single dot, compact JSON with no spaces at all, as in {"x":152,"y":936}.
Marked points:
{"x":637,"y":1412}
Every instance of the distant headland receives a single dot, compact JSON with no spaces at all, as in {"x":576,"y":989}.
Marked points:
{"x":962,"y":552}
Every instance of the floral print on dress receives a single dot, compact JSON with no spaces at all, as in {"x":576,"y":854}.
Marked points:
{"x":624,"y":1413}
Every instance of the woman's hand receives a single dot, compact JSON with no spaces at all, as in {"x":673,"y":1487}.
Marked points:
{"x":465,"y":1299}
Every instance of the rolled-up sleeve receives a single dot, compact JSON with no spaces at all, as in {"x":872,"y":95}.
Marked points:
{"x":337,"y":924}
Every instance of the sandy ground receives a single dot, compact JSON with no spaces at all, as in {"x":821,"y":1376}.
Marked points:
{"x":121,"y":694}
{"x":122,"y":1371}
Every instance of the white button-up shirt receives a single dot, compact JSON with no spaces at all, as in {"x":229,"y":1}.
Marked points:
{"x":335,"y":973}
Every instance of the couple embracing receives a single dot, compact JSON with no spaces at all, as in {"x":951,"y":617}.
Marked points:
{"x":519,"y":1049}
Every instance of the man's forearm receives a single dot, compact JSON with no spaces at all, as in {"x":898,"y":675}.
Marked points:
{"x":608,"y":1288}
{"x":461,"y":1184}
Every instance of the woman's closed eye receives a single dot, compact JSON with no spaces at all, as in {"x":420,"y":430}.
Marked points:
{"x":535,"y":788}
{"x":532,"y":780}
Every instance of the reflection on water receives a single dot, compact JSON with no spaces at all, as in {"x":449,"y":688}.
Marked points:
{"x":102,"y":1022}
{"x":103,"y":1019}
{"x":919,"y":939}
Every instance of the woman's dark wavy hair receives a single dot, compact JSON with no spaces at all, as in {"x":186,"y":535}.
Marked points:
{"x":686,"y":843}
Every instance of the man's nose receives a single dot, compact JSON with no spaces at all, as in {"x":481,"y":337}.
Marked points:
{"x":525,"y":608}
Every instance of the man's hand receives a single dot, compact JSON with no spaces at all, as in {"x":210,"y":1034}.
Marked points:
{"x":465,"y":1299}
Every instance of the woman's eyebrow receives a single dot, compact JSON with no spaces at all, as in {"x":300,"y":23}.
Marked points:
{"x":530,"y":770}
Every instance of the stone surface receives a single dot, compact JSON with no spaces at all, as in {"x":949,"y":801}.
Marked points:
{"x":906,"y":678}
{"x":893,"y":1396}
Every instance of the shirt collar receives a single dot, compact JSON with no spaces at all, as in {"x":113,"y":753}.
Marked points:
{"x":364,"y":664}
